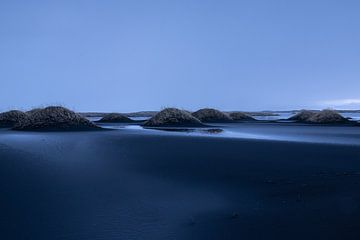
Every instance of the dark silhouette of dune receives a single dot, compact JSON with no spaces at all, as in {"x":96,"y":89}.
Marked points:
{"x":115,"y":118}
{"x":10,"y":118}
{"x":34,"y":110}
{"x":54,"y":118}
{"x":211,"y":115}
{"x":325,"y":116}
{"x":240,"y":116}
{"x":302,"y":116}
{"x":173,"y":117}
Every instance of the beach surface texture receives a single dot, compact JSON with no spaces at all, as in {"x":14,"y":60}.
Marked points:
{"x":251,"y":181}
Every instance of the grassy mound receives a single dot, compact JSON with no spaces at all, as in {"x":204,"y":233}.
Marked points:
{"x":172,"y":117}
{"x":11,"y":118}
{"x":54,"y":118}
{"x":211,"y":115}
{"x":34,"y":110}
{"x":327,"y":116}
{"x":241,"y":116}
{"x":302,"y":116}
{"x":115,"y":118}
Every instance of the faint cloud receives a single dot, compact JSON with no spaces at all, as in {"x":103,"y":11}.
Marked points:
{"x":349,"y":103}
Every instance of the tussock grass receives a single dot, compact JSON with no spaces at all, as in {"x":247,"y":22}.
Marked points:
{"x":211,"y":115}
{"x":240,"y":116}
{"x":172,"y":117}
{"x":327,"y":116}
{"x":324,"y":116}
{"x":54,"y":118}
{"x":115,"y":118}
{"x":11,"y":118}
{"x":302,"y":116}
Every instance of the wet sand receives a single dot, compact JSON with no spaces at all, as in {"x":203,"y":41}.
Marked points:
{"x":251,"y":181}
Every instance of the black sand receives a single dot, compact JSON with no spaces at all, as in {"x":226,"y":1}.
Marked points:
{"x":148,"y":184}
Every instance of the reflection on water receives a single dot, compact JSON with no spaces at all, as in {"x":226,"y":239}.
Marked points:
{"x":263,"y":131}
{"x":191,"y":130}
{"x":354,"y":116}
{"x":135,"y":127}
{"x":93,"y":119}
{"x":294,"y":133}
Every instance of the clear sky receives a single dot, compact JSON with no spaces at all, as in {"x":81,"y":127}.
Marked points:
{"x":119,"y":55}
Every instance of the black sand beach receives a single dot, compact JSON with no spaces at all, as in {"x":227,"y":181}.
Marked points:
{"x":253,"y":181}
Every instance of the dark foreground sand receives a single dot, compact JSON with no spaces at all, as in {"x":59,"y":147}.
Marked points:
{"x":148,"y":184}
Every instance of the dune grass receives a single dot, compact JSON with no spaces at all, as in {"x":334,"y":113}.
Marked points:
{"x":211,"y":115}
{"x":54,"y":118}
{"x":11,"y":118}
{"x":172,"y":117}
{"x":115,"y":118}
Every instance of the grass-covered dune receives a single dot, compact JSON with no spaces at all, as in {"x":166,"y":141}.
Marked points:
{"x":211,"y":115}
{"x":32,"y":111}
{"x":115,"y":118}
{"x":172,"y":117}
{"x":240,"y":116}
{"x":54,"y":118}
{"x":326,"y":116}
{"x":302,"y":116}
{"x":11,"y":118}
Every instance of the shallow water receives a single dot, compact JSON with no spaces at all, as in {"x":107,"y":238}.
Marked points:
{"x":294,"y":132}
{"x":291,"y":132}
{"x":94,"y":119}
{"x":354,"y":116}
{"x":278,"y":116}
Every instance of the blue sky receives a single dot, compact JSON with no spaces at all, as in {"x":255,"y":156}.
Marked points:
{"x":140,"y":55}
